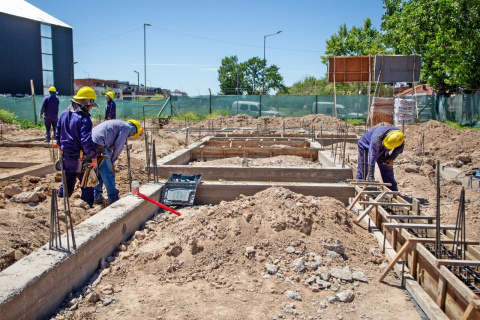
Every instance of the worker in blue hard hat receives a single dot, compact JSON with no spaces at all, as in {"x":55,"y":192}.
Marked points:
{"x":380,"y":145}
{"x":49,"y":112}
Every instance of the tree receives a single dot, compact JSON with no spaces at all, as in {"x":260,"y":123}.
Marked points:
{"x":446,"y":34}
{"x":355,"y":42}
{"x":237,"y":78}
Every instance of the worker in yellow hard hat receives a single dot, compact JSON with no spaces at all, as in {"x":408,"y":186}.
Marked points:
{"x":381,"y":145}
{"x":109,"y":138}
{"x":74,"y":138}
{"x":50,"y":110}
{"x":111,"y":109}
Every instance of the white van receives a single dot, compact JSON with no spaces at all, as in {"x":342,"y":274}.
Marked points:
{"x":251,"y":108}
{"x":342,"y":111}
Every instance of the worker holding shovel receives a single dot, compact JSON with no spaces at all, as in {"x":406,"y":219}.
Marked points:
{"x":381,"y":145}
{"x":74,"y":138}
{"x":109,"y":138}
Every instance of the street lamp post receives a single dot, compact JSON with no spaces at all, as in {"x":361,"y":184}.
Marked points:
{"x":88,"y":84}
{"x":264,"y":62}
{"x":73,"y":78}
{"x":138,"y":80}
{"x":145,"y":53}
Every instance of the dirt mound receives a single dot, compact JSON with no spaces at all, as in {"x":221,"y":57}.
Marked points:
{"x":273,"y":255}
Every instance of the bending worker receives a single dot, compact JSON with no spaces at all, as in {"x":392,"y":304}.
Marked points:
{"x":50,"y":110}
{"x":109,"y":138}
{"x":376,"y":145}
{"x":74,"y":136}
{"x":111,"y":109}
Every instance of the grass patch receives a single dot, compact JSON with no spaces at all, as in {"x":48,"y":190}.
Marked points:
{"x":7,"y":117}
{"x":192,"y":117}
{"x":354,"y":122}
{"x":459,"y":126}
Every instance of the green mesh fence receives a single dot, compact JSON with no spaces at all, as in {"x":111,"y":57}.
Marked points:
{"x":463,"y":108}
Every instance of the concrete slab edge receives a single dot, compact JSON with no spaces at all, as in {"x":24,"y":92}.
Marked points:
{"x":35,"y":286}
{"x":37,"y":171}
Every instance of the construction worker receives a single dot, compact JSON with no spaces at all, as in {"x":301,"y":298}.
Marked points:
{"x":111,"y":109}
{"x":376,"y":145}
{"x":74,"y":138}
{"x":109,"y":138}
{"x":50,"y":110}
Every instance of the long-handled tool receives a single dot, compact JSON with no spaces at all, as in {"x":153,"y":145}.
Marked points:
{"x":161,"y":205}
{"x":66,"y":207}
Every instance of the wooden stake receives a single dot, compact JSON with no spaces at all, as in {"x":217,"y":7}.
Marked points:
{"x":400,"y":253}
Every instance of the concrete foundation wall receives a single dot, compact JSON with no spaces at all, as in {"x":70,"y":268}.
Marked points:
{"x":327,"y":175}
{"x":215,"y":192}
{"x":35,"y":286}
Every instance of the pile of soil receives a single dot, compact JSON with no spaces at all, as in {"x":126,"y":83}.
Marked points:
{"x":274,"y":255}
{"x":246,"y":121}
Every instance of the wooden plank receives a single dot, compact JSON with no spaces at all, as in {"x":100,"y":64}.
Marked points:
{"x":471,"y":313}
{"x":387,"y":204}
{"x":370,"y":207}
{"x":359,"y":194}
{"x":411,"y":217}
{"x":451,"y":262}
{"x":418,"y":226}
{"x":392,"y":263}
{"x":444,"y":241}
{"x":442,"y":292}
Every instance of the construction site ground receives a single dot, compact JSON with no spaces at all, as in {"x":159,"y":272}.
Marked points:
{"x":252,"y":258}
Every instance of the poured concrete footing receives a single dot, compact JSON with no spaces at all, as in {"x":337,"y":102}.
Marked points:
{"x":31,"y":169}
{"x":35,"y":286}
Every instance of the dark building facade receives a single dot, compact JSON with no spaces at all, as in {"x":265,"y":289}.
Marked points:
{"x":39,"y":50}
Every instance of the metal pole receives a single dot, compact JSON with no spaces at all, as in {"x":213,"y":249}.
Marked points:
{"x":437,"y":229}
{"x":264,"y":63}
{"x":210,"y":91}
{"x":145,"y":54}
{"x":128,"y":166}
{"x":33,"y":98}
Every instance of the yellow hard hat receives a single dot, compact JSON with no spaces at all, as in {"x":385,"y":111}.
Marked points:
{"x":52,"y":89}
{"x":139,"y":128}
{"x":393,"y":139}
{"x":110,"y":94}
{"x":85,"y":93}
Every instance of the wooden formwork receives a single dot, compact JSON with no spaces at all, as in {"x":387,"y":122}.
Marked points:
{"x":444,"y":289}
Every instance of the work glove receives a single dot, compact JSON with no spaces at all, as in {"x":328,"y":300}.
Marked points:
{"x":41,"y":116}
{"x":389,"y":163}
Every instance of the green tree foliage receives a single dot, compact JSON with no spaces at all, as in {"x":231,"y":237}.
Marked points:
{"x":314,"y":86}
{"x":355,"y":42}
{"x":445,"y":32}
{"x":237,"y":78}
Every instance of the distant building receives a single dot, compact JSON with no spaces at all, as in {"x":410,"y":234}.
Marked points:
{"x":34,"y":46}
{"x":124,"y":90}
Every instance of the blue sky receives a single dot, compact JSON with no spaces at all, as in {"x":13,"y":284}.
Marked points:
{"x":188,"y":39}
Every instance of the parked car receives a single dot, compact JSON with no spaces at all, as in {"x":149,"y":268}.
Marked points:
{"x":252,"y":108}
{"x":342,"y":112}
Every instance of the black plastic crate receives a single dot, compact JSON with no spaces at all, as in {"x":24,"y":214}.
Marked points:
{"x":180,"y":189}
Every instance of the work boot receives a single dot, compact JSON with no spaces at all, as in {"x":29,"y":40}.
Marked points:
{"x":99,"y":201}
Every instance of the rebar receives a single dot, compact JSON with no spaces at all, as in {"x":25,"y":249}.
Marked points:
{"x":129,"y":166}
{"x":438,"y":245}
{"x":154,"y":162}
{"x":459,"y":247}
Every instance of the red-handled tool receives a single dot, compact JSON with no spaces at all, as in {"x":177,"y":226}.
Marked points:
{"x":157,"y":203}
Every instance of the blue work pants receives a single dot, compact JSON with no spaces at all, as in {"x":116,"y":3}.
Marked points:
{"x":106,"y":176}
{"x":50,"y":122}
